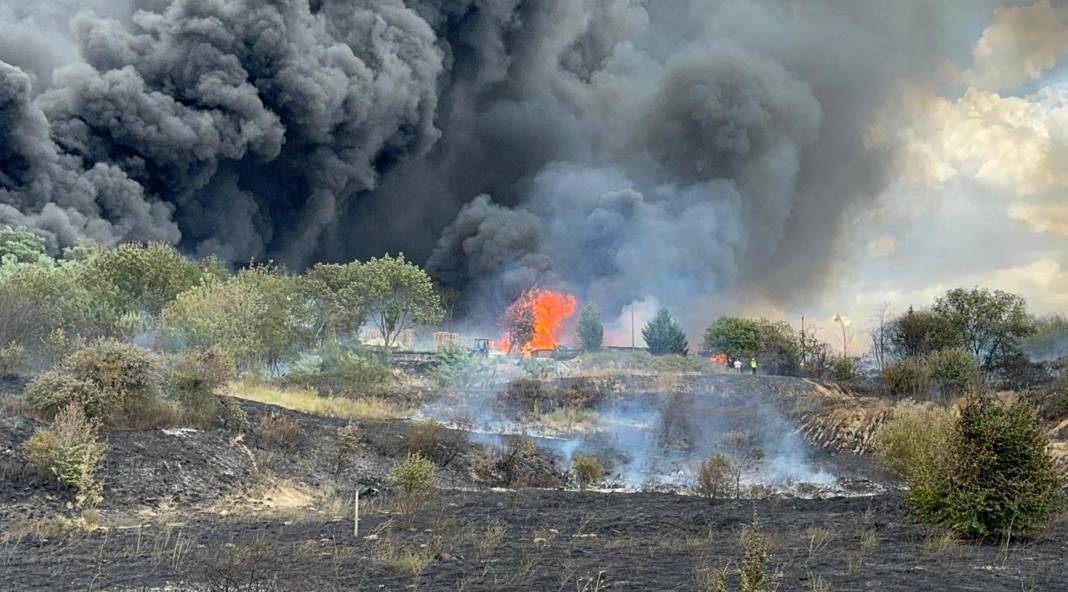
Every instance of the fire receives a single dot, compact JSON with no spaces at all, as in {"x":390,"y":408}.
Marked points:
{"x":532,"y":321}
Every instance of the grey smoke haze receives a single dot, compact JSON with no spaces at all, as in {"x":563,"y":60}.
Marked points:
{"x":620,"y":148}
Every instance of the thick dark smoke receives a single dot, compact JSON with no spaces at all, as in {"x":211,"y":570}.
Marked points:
{"x":623,"y":149}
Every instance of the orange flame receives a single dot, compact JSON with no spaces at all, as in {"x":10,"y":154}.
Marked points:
{"x":549,"y":310}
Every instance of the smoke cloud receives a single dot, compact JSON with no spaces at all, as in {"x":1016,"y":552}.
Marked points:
{"x":624,"y":149}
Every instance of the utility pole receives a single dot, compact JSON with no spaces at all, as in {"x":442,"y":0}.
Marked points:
{"x":802,"y":341}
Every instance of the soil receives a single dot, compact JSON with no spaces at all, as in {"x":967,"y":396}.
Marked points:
{"x":221,"y":511}
{"x":552,"y":540}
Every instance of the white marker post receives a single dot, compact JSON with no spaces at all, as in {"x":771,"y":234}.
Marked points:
{"x":356,"y":513}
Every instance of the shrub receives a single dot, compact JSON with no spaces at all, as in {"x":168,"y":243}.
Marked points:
{"x":194,"y":382}
{"x":914,"y":445}
{"x":588,"y":469}
{"x":232,"y":416}
{"x":346,"y":442}
{"x":590,"y":330}
{"x":844,"y":369}
{"x":907,"y":378}
{"x":54,"y":390}
{"x":955,"y":370}
{"x":415,"y":475}
{"x":281,"y":430}
{"x":69,"y":451}
{"x":338,"y":370}
{"x":713,"y":475}
{"x":458,"y":367}
{"x":435,"y":442}
{"x":1002,"y":478}
{"x":13,"y":359}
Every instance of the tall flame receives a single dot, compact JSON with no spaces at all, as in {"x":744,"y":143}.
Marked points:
{"x":546,"y":310}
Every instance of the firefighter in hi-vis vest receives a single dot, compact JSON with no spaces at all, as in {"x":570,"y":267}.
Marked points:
{"x":753,"y":365}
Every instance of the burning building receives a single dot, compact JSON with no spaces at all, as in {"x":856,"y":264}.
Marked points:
{"x":533,"y":321}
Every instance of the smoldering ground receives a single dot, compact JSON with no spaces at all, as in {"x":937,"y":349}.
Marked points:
{"x":648,"y":437}
{"x":621,"y":148}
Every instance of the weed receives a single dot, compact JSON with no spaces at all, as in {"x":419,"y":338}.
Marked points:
{"x":69,"y":451}
{"x":346,"y":442}
{"x":489,"y":539}
{"x":415,"y":475}
{"x":281,"y":430}
{"x":588,"y":469}
{"x":391,"y":556}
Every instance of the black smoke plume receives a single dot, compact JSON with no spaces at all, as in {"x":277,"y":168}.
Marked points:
{"x":624,"y":149}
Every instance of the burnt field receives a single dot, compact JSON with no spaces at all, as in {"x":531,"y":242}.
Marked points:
{"x":270,"y":507}
{"x":536,"y":540}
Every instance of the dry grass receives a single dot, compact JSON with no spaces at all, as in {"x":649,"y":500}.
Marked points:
{"x":391,"y":556}
{"x":569,"y":419}
{"x":489,"y":539}
{"x":309,"y":401}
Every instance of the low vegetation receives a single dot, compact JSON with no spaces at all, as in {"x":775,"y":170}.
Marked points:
{"x":588,"y":469}
{"x":415,"y":475}
{"x":281,"y":430}
{"x":985,"y":473}
{"x":69,"y":452}
{"x":310,"y":401}
{"x":714,"y":475}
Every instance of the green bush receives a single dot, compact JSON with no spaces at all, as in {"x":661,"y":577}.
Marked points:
{"x":194,"y":382}
{"x":337,"y":370}
{"x":914,"y":445}
{"x":844,"y":369}
{"x":987,"y":473}
{"x":117,"y":383}
{"x":415,"y":475}
{"x":955,"y":370}
{"x":1002,"y":478}
{"x":588,"y":469}
{"x":231,"y":415}
{"x":458,"y":367}
{"x":69,"y":452}
{"x":907,"y":378}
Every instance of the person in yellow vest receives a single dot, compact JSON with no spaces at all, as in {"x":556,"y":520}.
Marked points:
{"x":753,"y":365}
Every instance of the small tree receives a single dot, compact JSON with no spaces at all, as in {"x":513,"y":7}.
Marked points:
{"x":401,"y":296}
{"x":590,"y":329}
{"x":664,"y":335}
{"x":1002,"y":478}
{"x":907,"y":378}
{"x":148,"y":276}
{"x":713,"y":475}
{"x":740,"y":338}
{"x":416,"y":474}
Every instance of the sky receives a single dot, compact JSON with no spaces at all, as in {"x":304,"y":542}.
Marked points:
{"x":979,"y":190}
{"x":825,"y":158}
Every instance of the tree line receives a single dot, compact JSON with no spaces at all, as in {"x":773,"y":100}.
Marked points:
{"x":260,"y":315}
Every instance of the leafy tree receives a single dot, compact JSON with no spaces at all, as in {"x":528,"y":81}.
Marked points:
{"x":338,"y":298}
{"x":737,"y":337}
{"x":18,"y":244}
{"x":779,"y":349}
{"x":148,"y":276}
{"x":251,"y":317}
{"x":401,"y":296}
{"x":907,"y":378}
{"x":590,"y":330}
{"x":989,"y":323}
{"x":664,"y":335}
{"x":920,"y":332}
